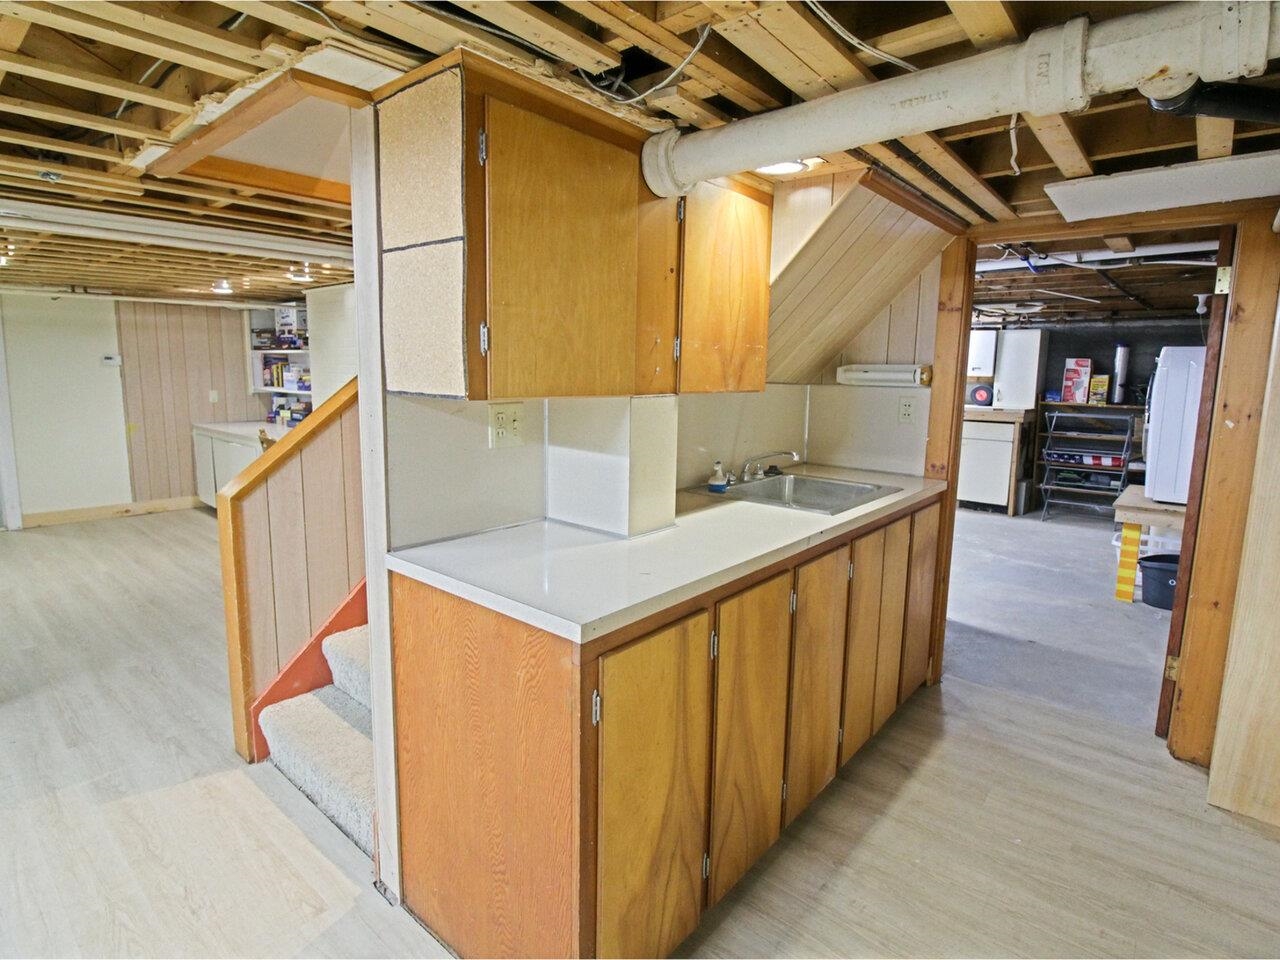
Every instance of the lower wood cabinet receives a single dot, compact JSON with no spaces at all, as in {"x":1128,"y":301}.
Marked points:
{"x":655,"y":746}
{"x":560,"y":800}
{"x":754,"y":651}
{"x":817,"y":678}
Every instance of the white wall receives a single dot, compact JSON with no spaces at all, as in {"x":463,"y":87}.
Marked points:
{"x":733,"y":426}
{"x":67,"y":406}
{"x":331,"y":326}
{"x":444,"y":481}
{"x":862,"y":427}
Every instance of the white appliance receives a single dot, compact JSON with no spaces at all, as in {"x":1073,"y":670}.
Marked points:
{"x":1020,"y":359}
{"x":1173,"y":409}
{"x":982,"y":353}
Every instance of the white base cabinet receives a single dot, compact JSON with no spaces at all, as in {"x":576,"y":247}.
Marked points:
{"x":222,"y":450}
{"x":986,"y":462}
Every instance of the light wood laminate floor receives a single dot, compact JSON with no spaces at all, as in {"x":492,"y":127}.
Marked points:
{"x":978,"y":823}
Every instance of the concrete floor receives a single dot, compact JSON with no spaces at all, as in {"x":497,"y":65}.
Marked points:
{"x":1032,"y":610}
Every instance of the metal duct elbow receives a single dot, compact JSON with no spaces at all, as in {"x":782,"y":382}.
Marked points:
{"x":1228,"y":101}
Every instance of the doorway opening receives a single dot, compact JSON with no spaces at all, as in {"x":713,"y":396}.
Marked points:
{"x":1083,"y":417}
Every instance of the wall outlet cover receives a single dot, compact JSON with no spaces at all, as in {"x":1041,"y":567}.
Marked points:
{"x":906,"y":409}
{"x":506,"y":423}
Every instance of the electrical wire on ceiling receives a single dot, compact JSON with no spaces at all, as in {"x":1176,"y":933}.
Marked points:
{"x":670,"y":79}
{"x":1013,"y":145}
{"x":849,"y":38}
{"x":363,"y":37}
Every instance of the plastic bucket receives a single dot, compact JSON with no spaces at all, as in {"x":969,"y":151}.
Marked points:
{"x":1159,"y":578}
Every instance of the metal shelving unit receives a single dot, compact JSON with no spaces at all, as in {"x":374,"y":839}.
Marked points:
{"x":1072,"y":438}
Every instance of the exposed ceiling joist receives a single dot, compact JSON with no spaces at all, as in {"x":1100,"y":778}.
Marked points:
{"x":111,"y":86}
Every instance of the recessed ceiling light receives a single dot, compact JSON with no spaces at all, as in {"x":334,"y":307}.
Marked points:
{"x":785,"y":166}
{"x":222,"y":286}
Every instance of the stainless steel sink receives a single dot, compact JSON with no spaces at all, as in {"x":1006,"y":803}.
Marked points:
{"x":817,"y":495}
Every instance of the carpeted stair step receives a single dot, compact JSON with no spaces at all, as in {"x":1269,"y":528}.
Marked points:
{"x":348,"y":656}
{"x":321,"y":742}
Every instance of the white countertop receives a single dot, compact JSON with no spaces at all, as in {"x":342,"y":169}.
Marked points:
{"x":245,"y":431}
{"x":582,"y":584}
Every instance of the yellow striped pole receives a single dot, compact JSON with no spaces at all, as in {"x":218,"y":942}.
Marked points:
{"x":1127,"y":570}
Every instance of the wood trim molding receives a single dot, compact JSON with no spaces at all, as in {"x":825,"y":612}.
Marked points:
{"x":924,"y":208}
{"x":290,"y":88}
{"x":240,"y":174}
{"x":946,"y":416}
{"x":257,"y":472}
{"x":1228,"y":480}
{"x":107,"y":512}
{"x":308,"y":670}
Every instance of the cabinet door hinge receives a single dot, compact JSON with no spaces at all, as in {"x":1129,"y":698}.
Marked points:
{"x":850,"y":569}
{"x":675,"y":348}
{"x":1171,"y":668}
{"x":715,"y":644}
{"x":595,"y":708}
{"x":706,"y":865}
{"x":484,"y":146}
{"x":1222,"y":280}
{"x":793,"y":601}
{"x":680,"y":210}
{"x":840,"y":735}
{"x":484,"y":339}
{"x":784,"y":789}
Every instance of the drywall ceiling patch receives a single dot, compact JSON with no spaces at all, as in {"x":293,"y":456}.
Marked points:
{"x":1220,"y":180}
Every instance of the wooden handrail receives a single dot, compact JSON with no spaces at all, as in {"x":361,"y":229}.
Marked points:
{"x":254,"y":650}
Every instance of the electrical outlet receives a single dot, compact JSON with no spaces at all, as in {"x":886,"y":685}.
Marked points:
{"x":906,"y":409}
{"x":506,"y":425}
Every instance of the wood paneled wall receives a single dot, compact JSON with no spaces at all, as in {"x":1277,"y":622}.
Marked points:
{"x":173,"y":357}
{"x":292,"y":539}
{"x":843,"y":275}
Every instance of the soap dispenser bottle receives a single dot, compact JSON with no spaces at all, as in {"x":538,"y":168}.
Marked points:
{"x":718,"y":482}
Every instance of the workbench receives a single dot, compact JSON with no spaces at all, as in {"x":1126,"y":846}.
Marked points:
{"x":1134,"y":510}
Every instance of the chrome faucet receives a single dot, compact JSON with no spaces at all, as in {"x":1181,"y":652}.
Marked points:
{"x":759,"y":458}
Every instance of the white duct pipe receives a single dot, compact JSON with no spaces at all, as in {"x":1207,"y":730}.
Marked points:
{"x":1161,"y":250}
{"x":1056,"y":70}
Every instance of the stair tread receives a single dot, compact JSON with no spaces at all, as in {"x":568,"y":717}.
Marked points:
{"x":348,"y":655}
{"x":321,"y":742}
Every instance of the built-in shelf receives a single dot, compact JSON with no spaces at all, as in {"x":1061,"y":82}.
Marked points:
{"x":274,"y":352}
{"x":292,"y":393}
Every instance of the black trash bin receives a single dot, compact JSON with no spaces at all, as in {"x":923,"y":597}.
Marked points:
{"x":1159,"y":578}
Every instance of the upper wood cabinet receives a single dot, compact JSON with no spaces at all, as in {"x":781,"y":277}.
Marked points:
{"x":754,"y":653}
{"x":654,"y":767}
{"x":724,"y":302}
{"x":523,"y":255}
{"x":817,"y":678}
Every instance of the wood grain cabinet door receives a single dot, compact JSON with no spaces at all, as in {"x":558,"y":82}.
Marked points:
{"x":724,"y":304}
{"x":917,"y":625}
{"x":655,"y":759}
{"x":562,"y":258}
{"x":817,"y":677}
{"x":754,"y":631}
{"x":893,"y":602}
{"x":862,"y":643}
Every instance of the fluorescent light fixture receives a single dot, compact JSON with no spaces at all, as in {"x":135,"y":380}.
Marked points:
{"x":222,"y":286}
{"x":784,"y":167}
{"x":301,"y":276}
{"x":1221,"y":180}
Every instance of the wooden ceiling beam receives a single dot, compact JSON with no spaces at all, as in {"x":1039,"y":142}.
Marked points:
{"x":280,"y":183}
{"x":905,"y":43}
{"x":421,"y":28}
{"x":1119,"y":244}
{"x":155,"y":19}
{"x":1215,"y":137}
{"x":12,"y":33}
{"x":70,"y":148}
{"x":548,"y":31}
{"x":83,"y":24}
{"x":990,"y":23}
{"x":87,"y":80}
{"x":77,"y":118}
{"x":294,"y":18}
{"x":939,"y":155}
{"x":920,"y":181}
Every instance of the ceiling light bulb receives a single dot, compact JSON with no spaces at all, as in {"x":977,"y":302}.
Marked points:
{"x":4,"y":261}
{"x":298,"y":276}
{"x":1202,"y":303}
{"x":222,"y":286}
{"x":784,"y":167}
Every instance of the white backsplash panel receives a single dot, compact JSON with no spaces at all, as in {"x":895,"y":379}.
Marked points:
{"x":868,"y":428}
{"x":733,"y":426}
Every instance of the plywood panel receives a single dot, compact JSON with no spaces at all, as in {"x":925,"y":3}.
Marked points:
{"x":168,"y":406}
{"x":352,"y":496}
{"x":659,"y":293}
{"x":131,"y":377}
{"x":180,"y":444}
{"x":918,"y":621}
{"x":754,"y":628}
{"x":927,"y":319}
{"x":487,"y":750}
{"x":904,"y":318}
{"x":324,"y":514}
{"x":152,"y":402}
{"x":798,"y":207}
{"x":258,"y":588}
{"x":724,"y":314}
{"x":862,"y":642}
{"x":288,"y":546}
{"x":562,"y":302}
{"x":655,"y":733}
{"x":817,"y":678}
{"x":195,"y":343}
{"x":893,"y":597}
{"x":235,"y":370}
